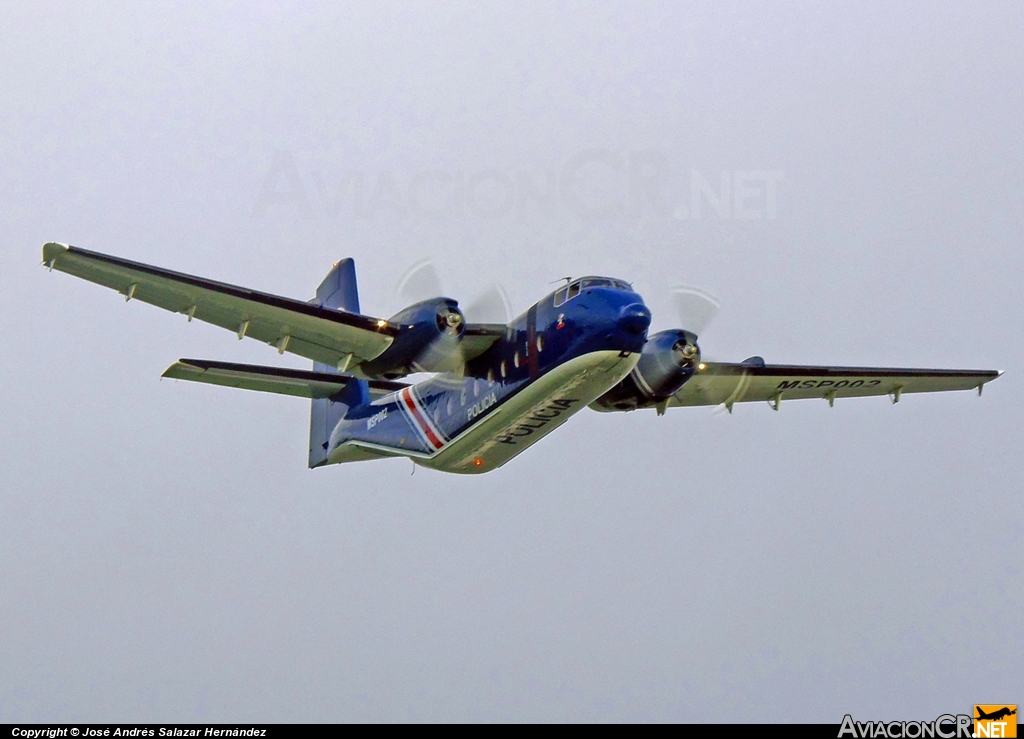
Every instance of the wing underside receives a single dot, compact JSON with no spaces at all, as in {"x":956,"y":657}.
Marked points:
{"x":279,"y":380}
{"x":333,"y":337}
{"x":725,"y":384}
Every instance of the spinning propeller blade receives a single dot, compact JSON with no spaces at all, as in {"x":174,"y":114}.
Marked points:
{"x":422,"y":281}
{"x":492,"y":306}
{"x":694,"y":307}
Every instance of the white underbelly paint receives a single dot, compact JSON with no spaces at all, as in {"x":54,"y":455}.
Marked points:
{"x":533,"y":413}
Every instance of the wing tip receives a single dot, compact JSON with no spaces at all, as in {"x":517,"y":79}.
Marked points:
{"x":52,"y":250}
{"x":179,"y":366}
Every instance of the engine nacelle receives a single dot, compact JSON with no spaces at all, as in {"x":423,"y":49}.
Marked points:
{"x":668,"y":360}
{"x":427,"y":341}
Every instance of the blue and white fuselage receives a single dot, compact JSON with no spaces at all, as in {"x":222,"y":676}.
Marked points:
{"x":566,"y":351}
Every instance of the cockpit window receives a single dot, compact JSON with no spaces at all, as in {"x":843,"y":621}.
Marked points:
{"x":567,"y":293}
{"x":573,"y":289}
{"x":605,"y":282}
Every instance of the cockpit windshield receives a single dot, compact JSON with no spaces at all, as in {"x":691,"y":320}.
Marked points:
{"x":605,"y":282}
{"x":574,"y":288}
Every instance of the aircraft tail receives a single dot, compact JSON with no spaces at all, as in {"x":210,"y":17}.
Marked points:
{"x":338,"y":290}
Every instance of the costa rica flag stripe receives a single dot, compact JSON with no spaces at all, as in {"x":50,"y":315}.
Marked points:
{"x":420,"y":420}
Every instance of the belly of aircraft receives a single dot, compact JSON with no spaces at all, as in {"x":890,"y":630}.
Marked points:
{"x":531,"y":414}
{"x":505,"y":426}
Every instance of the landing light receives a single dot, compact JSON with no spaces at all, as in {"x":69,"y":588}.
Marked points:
{"x":478,"y":461}
{"x":381,"y":323}
{"x":701,"y":366}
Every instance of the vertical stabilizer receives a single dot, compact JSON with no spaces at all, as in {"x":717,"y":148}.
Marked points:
{"x":339,"y":291}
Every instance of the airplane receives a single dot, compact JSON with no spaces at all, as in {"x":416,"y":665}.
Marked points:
{"x":995,"y":715}
{"x":496,"y":388}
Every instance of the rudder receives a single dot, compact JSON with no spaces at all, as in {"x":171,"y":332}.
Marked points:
{"x":340,"y":291}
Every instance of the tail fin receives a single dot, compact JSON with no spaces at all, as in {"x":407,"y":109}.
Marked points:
{"x":338,"y":290}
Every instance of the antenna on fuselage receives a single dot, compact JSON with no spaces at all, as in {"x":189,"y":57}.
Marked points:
{"x":567,"y":280}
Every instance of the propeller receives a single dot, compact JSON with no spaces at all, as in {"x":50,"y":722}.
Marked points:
{"x":694,"y":307}
{"x":422,"y":281}
{"x":443,"y":352}
{"x":419,"y":282}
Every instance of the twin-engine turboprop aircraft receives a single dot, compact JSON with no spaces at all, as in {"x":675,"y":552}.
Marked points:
{"x":497,"y":388}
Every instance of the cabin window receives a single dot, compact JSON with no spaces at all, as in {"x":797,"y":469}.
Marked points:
{"x":451,"y":404}
{"x":437,"y":415}
{"x":574,"y":290}
{"x":503,"y":368}
{"x":490,"y":375}
{"x":560,"y":296}
{"x":540,"y":343}
{"x":476,"y":389}
{"x":515,"y":359}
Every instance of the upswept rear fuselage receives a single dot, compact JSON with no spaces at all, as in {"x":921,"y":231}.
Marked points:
{"x":555,"y":359}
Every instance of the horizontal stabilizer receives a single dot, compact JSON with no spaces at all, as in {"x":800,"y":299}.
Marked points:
{"x":280,"y":380}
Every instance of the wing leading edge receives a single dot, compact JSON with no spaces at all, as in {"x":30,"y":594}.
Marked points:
{"x":333,"y":337}
{"x":725,"y":384}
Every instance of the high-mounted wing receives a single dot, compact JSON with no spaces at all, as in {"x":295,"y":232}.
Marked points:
{"x":334,"y":337}
{"x":725,"y":384}
{"x":280,"y":380}
{"x":478,"y":338}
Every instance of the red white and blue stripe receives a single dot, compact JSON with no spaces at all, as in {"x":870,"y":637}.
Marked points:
{"x":420,"y":420}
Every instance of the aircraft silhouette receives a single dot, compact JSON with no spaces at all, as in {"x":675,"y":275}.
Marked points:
{"x":995,"y":715}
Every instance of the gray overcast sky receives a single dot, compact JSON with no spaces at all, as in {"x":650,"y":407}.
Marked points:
{"x":166,"y":555}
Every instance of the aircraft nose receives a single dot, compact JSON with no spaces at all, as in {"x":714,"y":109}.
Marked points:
{"x":634,"y":318}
